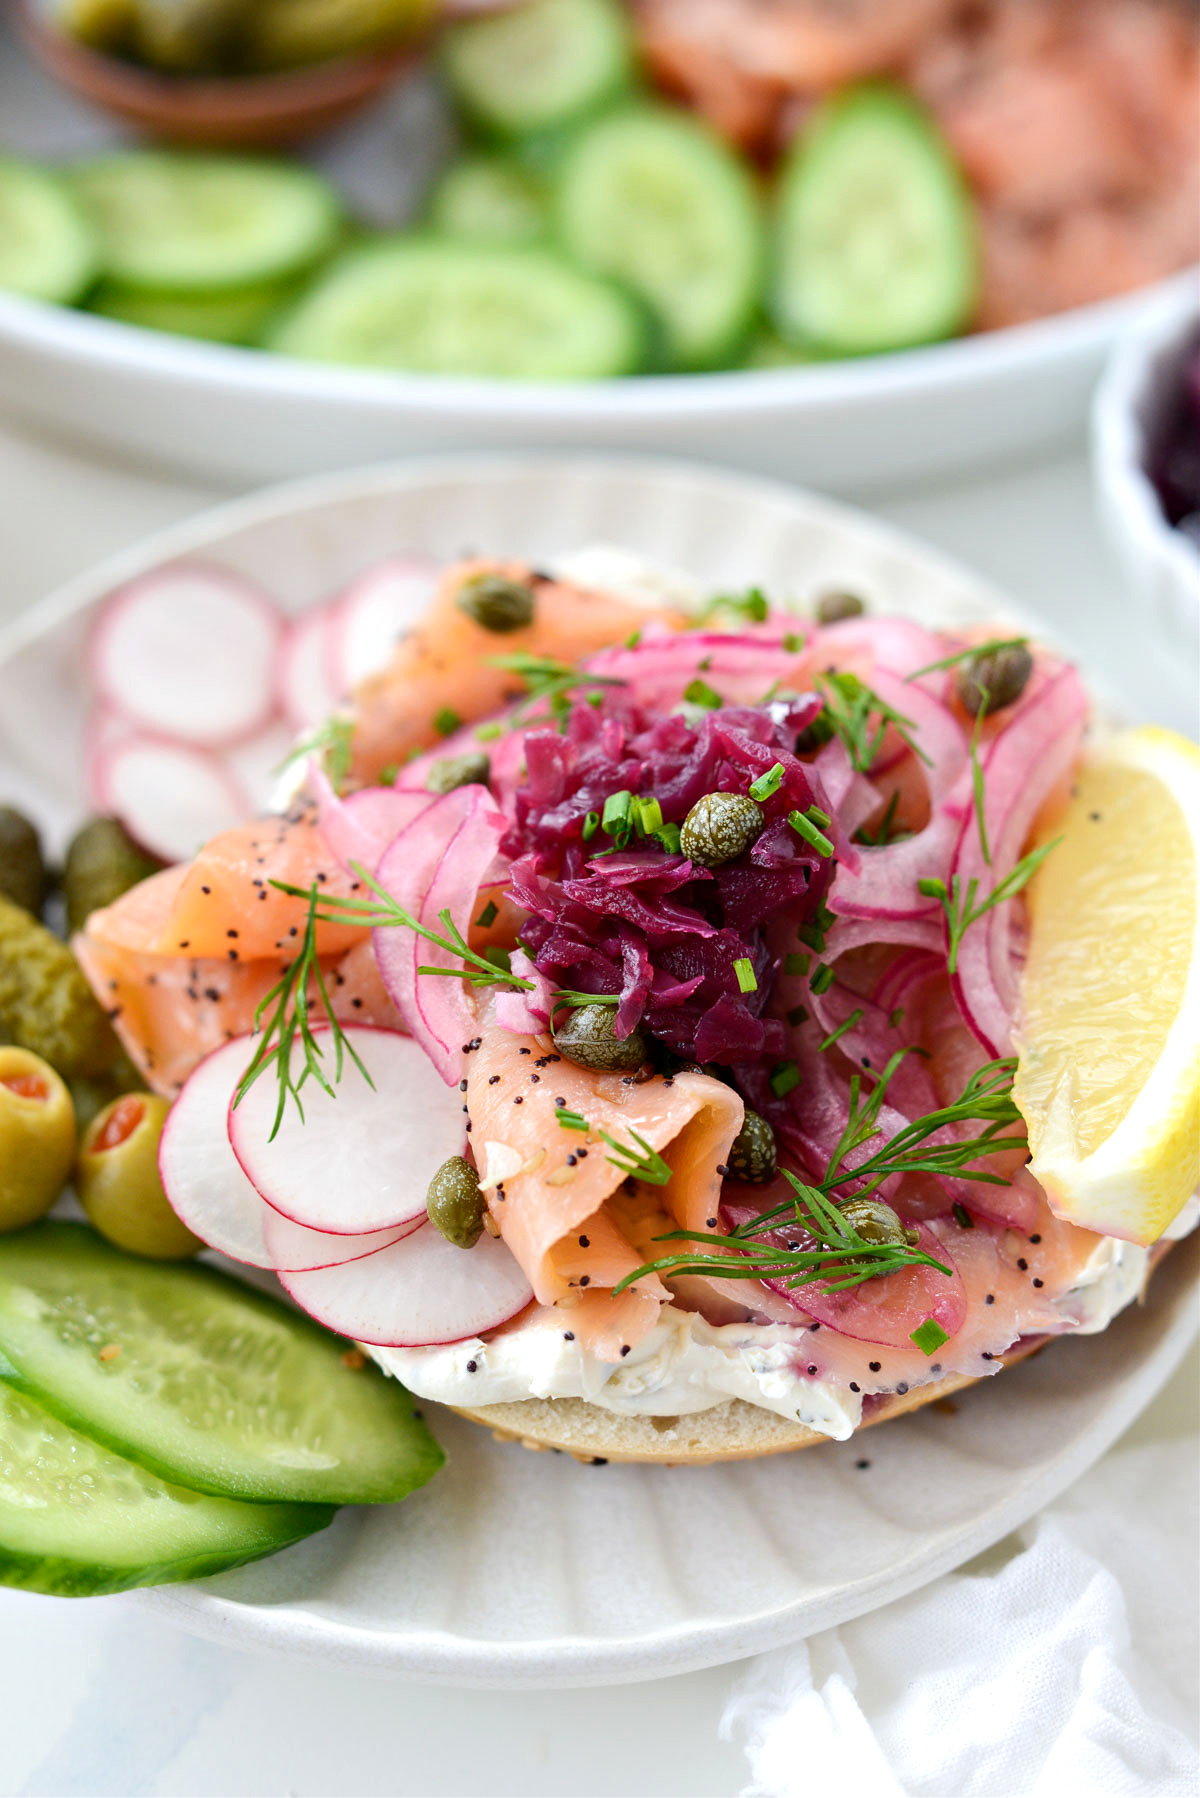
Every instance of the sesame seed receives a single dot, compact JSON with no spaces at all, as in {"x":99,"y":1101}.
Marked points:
{"x":862,"y":1464}
{"x":875,"y":1366}
{"x":584,"y":1242}
{"x":472,"y":1366}
{"x":625,"y":1348}
{"x":1038,"y":1282}
{"x":518,"y":1100}
{"x":990,"y":1299}
{"x":493,"y":1079}
{"x":812,"y":1367}
{"x":1035,"y":1237}
{"x":1022,"y":1263}
{"x":462,"y":1086}
{"x":902,"y":1388}
{"x":585,"y":1279}
{"x":568,"y":1335}
{"x":854,"y":1386}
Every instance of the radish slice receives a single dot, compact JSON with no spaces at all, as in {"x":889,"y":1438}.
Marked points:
{"x":189,"y":652}
{"x":208,"y":1190}
{"x":368,"y":619}
{"x":422,"y":1291}
{"x":258,"y":762}
{"x":438,"y":864}
{"x":360,"y":827}
{"x":307,"y":688}
{"x":170,"y":798}
{"x":363,"y":1159}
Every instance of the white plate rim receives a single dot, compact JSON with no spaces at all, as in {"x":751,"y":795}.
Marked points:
{"x":562,"y":1661}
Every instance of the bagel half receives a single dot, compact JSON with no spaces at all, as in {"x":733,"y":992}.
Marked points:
{"x":735,"y":1431}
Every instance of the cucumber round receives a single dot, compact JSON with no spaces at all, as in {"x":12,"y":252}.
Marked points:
{"x":650,"y":198}
{"x":240,"y":316}
{"x":876,"y":245}
{"x":541,"y":65}
{"x":488,"y":199}
{"x":173,"y":222}
{"x":439,"y":307}
{"x":76,"y":1519}
{"x":214,"y":1385}
{"x":48,"y":250}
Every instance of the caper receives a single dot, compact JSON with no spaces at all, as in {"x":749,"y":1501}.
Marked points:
{"x":37,"y":1137}
{"x":103,"y":861}
{"x":987,"y":683}
{"x":117,"y":1180}
{"x":833,"y":607}
{"x":497,"y":603}
{"x":587,"y":1035}
{"x":876,"y":1222}
{"x":753,"y":1155}
{"x":451,"y":771}
{"x":22,"y":870}
{"x":719,"y":828}
{"x":455,"y":1203}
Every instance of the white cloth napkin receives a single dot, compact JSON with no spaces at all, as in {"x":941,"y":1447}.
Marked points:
{"x":1061,"y":1665}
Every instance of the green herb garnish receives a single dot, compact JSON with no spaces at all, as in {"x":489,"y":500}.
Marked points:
{"x":752,"y":605}
{"x":850,"y":706}
{"x":698,"y":692}
{"x":640,"y":1163}
{"x":332,"y":745}
{"x":549,"y":683}
{"x":959,"y":904}
{"x":784,"y":1078}
{"x":964,"y":655}
{"x":747,"y":979}
{"x":836,"y":1036}
{"x":929,"y":1336}
{"x":767,"y":783}
{"x":805,"y":826}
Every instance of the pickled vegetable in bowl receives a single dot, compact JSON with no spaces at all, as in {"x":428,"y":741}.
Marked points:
{"x":241,"y":37}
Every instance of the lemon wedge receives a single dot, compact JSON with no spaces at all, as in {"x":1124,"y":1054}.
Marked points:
{"x":1108,"y":1079}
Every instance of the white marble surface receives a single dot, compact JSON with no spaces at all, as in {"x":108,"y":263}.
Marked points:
{"x":100,"y":1697}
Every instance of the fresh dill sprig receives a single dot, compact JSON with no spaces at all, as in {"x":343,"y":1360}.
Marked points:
{"x":332,"y":743}
{"x":992,"y":647}
{"x":850,"y":707}
{"x":640,"y":1163}
{"x":752,"y":605}
{"x":958,"y":902}
{"x":883,"y":830}
{"x":550,"y":683}
{"x":289,"y":1005}
{"x":837,"y":1254}
{"x":977,"y":788}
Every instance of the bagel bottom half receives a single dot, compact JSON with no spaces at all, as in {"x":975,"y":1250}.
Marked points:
{"x":735,"y":1431}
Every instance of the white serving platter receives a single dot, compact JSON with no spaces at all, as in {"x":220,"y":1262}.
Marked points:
{"x":517,"y":1569}
{"x":239,"y":416}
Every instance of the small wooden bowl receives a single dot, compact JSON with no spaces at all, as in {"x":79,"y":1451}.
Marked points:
{"x":213,"y":112}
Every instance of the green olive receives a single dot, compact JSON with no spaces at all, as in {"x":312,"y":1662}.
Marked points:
{"x":455,"y":1203}
{"x":719,"y":828}
{"x":451,"y":771}
{"x":37,"y":1137}
{"x":876,"y":1222}
{"x":185,"y":37}
{"x":102,"y":862}
{"x":495,"y":602}
{"x":587,"y":1035}
{"x":832,"y":607}
{"x":753,"y":1156}
{"x":22,"y":869}
{"x":987,"y":683}
{"x":116,"y":1178}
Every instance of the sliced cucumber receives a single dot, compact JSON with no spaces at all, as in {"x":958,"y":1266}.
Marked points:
{"x":876,"y":241}
{"x":489,"y":199}
{"x":48,"y":250}
{"x":211,"y":1383}
{"x":240,"y":316}
{"x":76,"y":1519}
{"x":176,"y":223}
{"x":652,"y":199}
{"x":539,"y":66}
{"x":465,"y":309}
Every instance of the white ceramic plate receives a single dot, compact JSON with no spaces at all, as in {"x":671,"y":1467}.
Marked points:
{"x":236,"y":415}
{"x":519,"y":1569}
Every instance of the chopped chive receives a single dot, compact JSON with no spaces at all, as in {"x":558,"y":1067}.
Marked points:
{"x":814,"y":936}
{"x":815,"y":815}
{"x":804,"y":827}
{"x":704,"y":664}
{"x":834,"y":1036}
{"x":488,"y":915}
{"x":798,"y":1015}
{"x":793,"y":643}
{"x":747,"y":979}
{"x":572,"y":1120}
{"x":487,"y":733}
{"x":929,"y":1336}
{"x":698,"y":692}
{"x":768,"y":783}
{"x":633,"y":639}
{"x":963,"y":1218}
{"x":896,"y":1018}
{"x":388,"y":776}
{"x":595,"y":699}
{"x":591,"y":825}
{"x":446,"y":721}
{"x":499,"y":958}
{"x":784,"y":1078}
{"x":618,"y":812}
{"x":648,"y":814}
{"x":796,"y":963}
{"x":668,"y":835}
{"x":822,"y":978}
